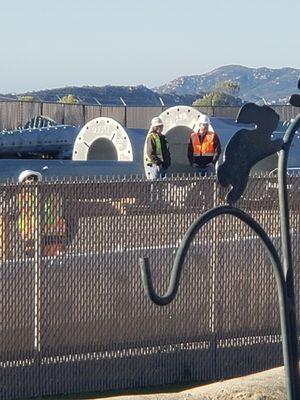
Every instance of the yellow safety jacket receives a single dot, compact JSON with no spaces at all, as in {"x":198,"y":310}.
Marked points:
{"x":52,"y":222}
{"x":153,"y":150}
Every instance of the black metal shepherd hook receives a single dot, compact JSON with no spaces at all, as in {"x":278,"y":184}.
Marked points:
{"x":244,"y":150}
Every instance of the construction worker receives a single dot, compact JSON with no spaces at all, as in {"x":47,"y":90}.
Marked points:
{"x":157,"y":154}
{"x":39,"y":224}
{"x":204,"y":147}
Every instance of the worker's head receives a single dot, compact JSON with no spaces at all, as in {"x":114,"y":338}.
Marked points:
{"x":157,"y":125}
{"x":202,"y":124}
{"x":29,"y":176}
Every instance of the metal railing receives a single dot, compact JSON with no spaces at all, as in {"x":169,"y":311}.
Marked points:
{"x":74,"y":316}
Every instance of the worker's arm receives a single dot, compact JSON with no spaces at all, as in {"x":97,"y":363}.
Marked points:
{"x":218,"y":149}
{"x":190,"y":151}
{"x":166,"y":152}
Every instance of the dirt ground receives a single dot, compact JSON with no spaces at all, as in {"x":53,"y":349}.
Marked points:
{"x":267,"y":385}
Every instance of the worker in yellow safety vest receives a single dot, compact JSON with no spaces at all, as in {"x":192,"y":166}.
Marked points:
{"x":157,"y":154}
{"x":204,"y":147}
{"x":38,"y":223}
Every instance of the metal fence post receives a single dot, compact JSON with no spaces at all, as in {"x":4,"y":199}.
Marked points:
{"x":38,"y":207}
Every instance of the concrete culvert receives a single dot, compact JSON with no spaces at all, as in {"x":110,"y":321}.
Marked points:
{"x":106,"y":139}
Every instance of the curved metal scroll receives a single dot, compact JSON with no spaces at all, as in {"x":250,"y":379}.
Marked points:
{"x":287,"y":247}
{"x":245,"y":149}
{"x":184,"y":247}
{"x":284,"y":301}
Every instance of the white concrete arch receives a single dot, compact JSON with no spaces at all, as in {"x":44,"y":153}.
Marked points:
{"x":179,"y":116}
{"x":102,"y":139}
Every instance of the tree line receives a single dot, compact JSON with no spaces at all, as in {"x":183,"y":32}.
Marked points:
{"x":222,"y":94}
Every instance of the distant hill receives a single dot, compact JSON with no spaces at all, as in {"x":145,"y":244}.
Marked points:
{"x":273,"y":85}
{"x":110,"y":95}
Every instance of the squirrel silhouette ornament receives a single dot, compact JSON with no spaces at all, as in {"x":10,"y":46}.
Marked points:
{"x":295,"y":98}
{"x":246,"y":147}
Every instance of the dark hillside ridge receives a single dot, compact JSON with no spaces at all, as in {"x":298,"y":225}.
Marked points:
{"x":259,"y":85}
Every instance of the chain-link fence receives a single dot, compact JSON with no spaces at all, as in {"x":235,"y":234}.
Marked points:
{"x":74,"y":315}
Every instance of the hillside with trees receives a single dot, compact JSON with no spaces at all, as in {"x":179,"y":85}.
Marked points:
{"x":229,"y":85}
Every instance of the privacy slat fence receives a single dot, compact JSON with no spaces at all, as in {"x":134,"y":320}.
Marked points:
{"x":79,"y":321}
{"x":15,"y":113}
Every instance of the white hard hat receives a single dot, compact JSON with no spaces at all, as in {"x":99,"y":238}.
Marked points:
{"x":203,"y":119}
{"x":27,"y":173}
{"x":156,"y":121}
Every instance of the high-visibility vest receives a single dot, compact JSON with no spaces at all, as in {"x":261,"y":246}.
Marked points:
{"x":52,"y":221}
{"x":158,"y":150}
{"x":26,"y":219}
{"x":203,"y":146}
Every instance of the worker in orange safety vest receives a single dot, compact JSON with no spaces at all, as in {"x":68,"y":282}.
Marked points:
{"x":204,"y":147}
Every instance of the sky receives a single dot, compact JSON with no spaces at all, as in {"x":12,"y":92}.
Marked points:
{"x":58,"y":43}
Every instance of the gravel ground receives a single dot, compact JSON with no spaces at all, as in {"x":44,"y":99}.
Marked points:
{"x":267,"y":385}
